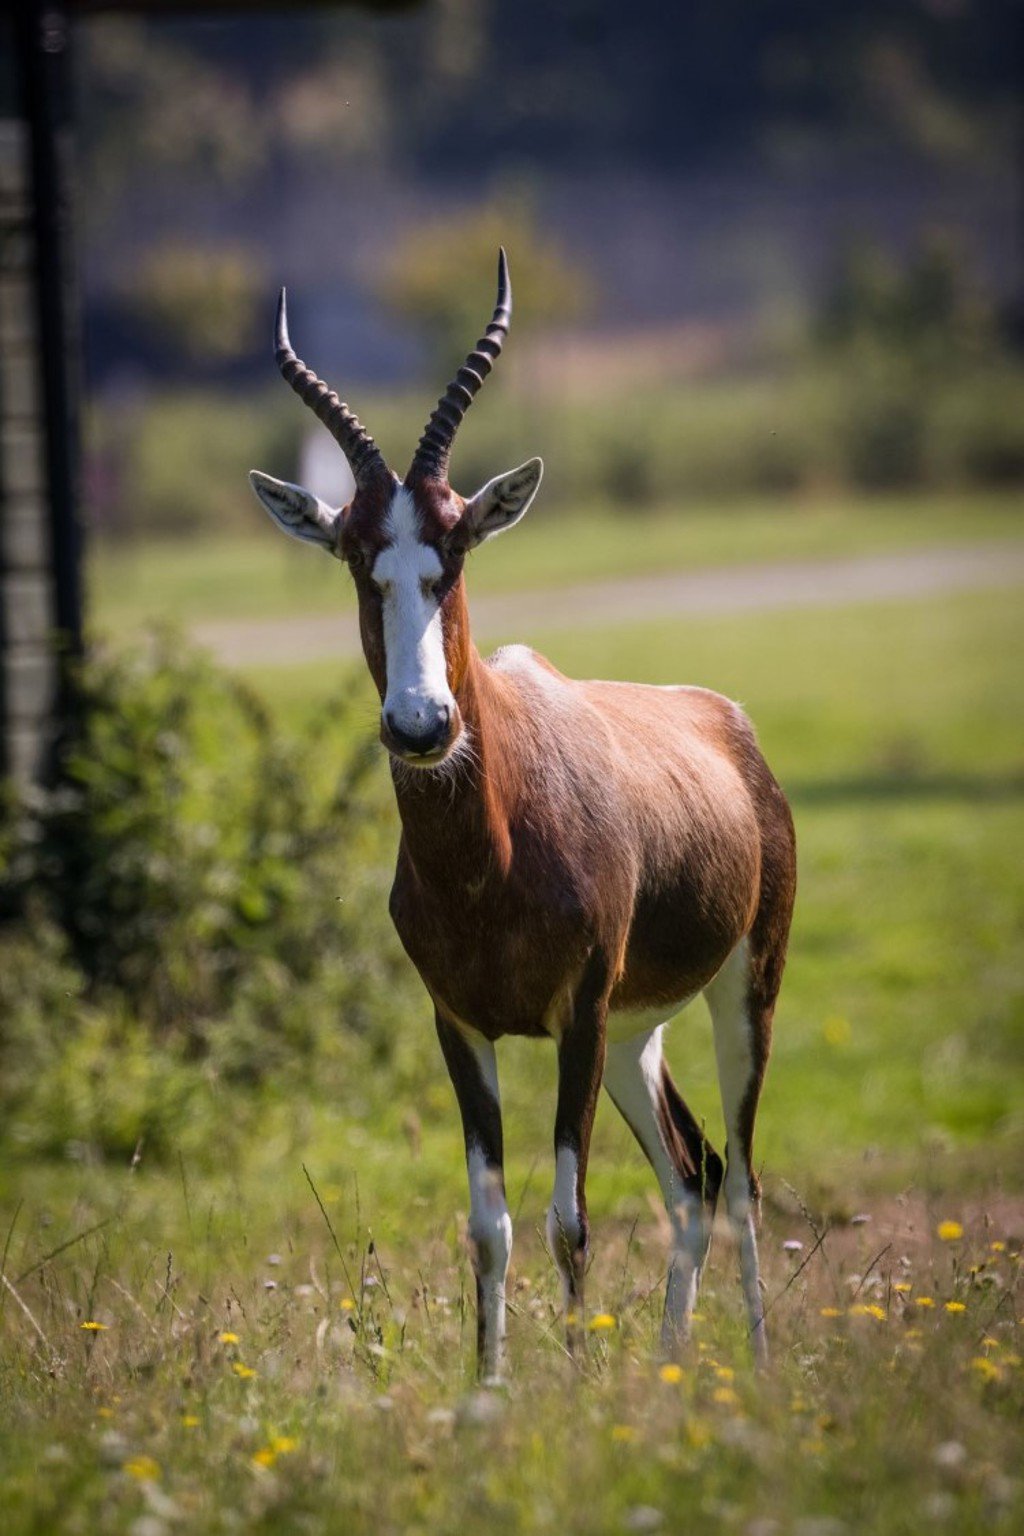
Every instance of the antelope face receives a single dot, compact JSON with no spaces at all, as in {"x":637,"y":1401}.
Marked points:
{"x":405,"y":546}
{"x":405,"y":543}
{"x":409,"y":588}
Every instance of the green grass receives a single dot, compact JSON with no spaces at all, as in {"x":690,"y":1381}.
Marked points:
{"x":895,"y":1089}
{"x":896,"y":730}
{"x":264,"y":574}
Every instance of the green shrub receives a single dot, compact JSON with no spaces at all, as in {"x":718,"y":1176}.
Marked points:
{"x":199,"y":889}
{"x":177,"y":462}
{"x":868,"y":420}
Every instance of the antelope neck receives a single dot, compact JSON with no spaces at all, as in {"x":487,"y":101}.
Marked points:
{"x":464,"y":806}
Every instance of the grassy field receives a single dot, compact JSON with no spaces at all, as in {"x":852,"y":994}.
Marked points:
{"x":264,"y":575}
{"x":259,"y":1364}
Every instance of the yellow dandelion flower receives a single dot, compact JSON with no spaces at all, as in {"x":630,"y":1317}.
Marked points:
{"x":697,"y":1433}
{"x":812,"y":1447}
{"x":986,"y":1368}
{"x":724,"y":1395}
{"x":997,"y":1247}
{"x":868,"y":1309}
{"x":988,"y":1342}
{"x":725,"y":1373}
{"x":830,"y":1312}
{"x":347,"y":1304}
{"x":92,"y":1327}
{"x":949,"y":1231}
{"x":798,"y":1405}
{"x":246,"y":1372}
{"x":672,"y":1374}
{"x":913,"y":1333}
{"x":265,"y":1457}
{"x":1011,"y":1360}
{"x":571,"y":1319}
{"x":228,"y":1338}
{"x":604,"y":1322}
{"x":924,"y":1301}
{"x":283,"y":1445}
{"x":902,"y":1287}
{"x":144,"y":1468}
{"x":623,"y":1434}
{"x":189,"y":1421}
{"x":836,"y":1031}
{"x":955,"y":1306}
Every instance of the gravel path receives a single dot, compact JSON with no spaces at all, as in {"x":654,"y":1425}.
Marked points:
{"x":637,"y":599}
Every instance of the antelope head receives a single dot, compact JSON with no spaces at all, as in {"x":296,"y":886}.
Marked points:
{"x":405,"y":542}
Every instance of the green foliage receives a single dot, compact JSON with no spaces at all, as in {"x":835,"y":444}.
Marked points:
{"x":178,"y":463}
{"x":207,"y":304}
{"x":913,"y":366}
{"x":869,"y":425}
{"x":926,"y":310}
{"x":197,"y":879}
{"x":417,"y":285}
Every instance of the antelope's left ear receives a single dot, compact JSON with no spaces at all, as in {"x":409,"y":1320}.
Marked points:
{"x":500,"y":503}
{"x":300,"y":513}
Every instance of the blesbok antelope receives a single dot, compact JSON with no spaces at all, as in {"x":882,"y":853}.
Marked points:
{"x":577,"y":859}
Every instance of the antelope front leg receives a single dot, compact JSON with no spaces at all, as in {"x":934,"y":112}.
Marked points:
{"x":580,"y":1065}
{"x":473,"y":1069}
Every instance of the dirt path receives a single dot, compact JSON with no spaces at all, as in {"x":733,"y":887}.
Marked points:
{"x":636,"y":599}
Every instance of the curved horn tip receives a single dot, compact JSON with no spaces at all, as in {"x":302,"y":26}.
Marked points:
{"x":281,"y":328}
{"x":504,"y":283}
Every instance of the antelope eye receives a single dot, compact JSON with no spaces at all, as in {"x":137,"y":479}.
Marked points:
{"x":356,"y":559}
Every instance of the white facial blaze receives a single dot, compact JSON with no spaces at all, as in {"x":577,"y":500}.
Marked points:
{"x":406,"y":572}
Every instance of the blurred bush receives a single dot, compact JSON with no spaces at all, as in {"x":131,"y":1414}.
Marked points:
{"x":876,"y":426}
{"x":176,"y":463}
{"x":201,"y":900}
{"x":551,"y":290}
{"x":205,"y":304}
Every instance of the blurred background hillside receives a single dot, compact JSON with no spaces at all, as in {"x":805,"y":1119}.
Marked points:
{"x":755,"y":249}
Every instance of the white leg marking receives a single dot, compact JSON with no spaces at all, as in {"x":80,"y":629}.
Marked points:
{"x":490,"y":1228}
{"x":632,"y":1076}
{"x":727,"y":1001}
{"x":490,"y":1225}
{"x":563,"y":1224}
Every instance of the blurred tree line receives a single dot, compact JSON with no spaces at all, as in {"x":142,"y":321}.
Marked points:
{"x":899,"y":373}
{"x":465,"y":83}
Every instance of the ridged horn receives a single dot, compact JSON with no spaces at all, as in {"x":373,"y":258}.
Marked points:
{"x":365,"y":458}
{"x":435,"y":446}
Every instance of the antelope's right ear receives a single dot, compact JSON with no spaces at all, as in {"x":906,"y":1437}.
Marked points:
{"x":298,"y":512}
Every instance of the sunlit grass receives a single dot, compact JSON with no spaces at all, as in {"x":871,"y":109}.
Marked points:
{"x":259,"y":1370}
{"x":190,"y":1347}
{"x":265,"y":575}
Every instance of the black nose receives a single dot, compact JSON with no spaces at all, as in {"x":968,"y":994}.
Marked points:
{"x":428,"y":734}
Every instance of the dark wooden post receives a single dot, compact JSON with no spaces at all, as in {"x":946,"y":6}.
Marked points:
{"x":41,"y":545}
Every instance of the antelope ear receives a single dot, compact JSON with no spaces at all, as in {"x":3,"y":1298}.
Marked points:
{"x":298,"y":512}
{"x":500,"y":503}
